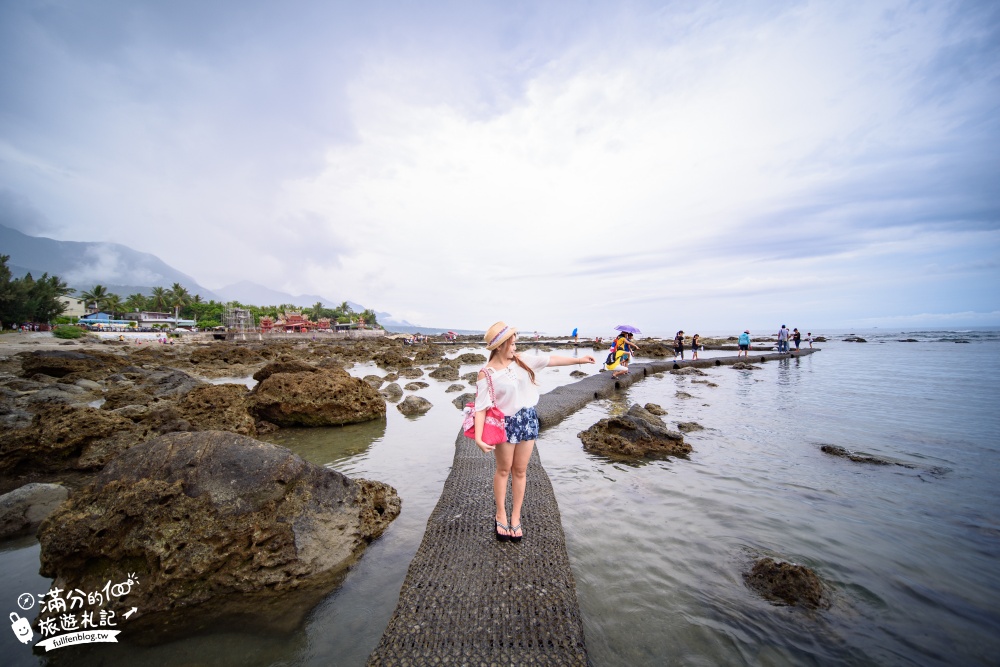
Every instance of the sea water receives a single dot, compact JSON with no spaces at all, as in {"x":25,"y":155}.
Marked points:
{"x":908,"y":551}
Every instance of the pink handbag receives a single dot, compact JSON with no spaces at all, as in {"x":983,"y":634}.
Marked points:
{"x":494,"y":431}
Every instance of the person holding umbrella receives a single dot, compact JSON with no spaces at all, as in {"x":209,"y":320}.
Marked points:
{"x":515,"y":393}
{"x":622,"y":350}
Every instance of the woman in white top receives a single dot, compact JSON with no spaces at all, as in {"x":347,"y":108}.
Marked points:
{"x":516,"y":392}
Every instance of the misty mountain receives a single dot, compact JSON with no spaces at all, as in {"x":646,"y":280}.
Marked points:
{"x":125,"y":271}
{"x":84,"y":264}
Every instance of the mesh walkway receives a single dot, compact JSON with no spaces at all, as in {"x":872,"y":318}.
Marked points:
{"x":470,"y":600}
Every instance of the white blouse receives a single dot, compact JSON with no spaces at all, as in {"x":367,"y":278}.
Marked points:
{"x":512,"y":386}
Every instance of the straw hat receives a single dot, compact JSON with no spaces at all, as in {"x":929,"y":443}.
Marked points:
{"x":497,"y":334}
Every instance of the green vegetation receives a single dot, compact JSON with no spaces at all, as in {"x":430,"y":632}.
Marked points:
{"x":29,"y":300}
{"x":209,"y":314}
{"x":67,"y":332}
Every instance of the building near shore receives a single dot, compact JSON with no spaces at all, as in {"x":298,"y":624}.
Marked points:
{"x":73,"y":307}
{"x":150,"y":320}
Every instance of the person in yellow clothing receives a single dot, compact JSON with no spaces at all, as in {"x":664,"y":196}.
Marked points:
{"x":620,"y":354}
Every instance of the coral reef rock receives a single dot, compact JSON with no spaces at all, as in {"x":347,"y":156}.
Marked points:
{"x":786,"y":582}
{"x":215,"y":527}
{"x":327,"y":397}
{"x":636,"y":434}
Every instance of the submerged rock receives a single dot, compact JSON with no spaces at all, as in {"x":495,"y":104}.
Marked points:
{"x":414,"y":405}
{"x":327,"y":397}
{"x":744,"y":366}
{"x":578,"y":374}
{"x":214,"y":526}
{"x":415,"y":386}
{"x":786,"y":582}
{"x":835,"y":450}
{"x":23,"y":509}
{"x":636,"y":434}
{"x":687,"y":427}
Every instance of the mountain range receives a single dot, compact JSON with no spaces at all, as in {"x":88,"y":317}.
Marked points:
{"x":124,"y":271}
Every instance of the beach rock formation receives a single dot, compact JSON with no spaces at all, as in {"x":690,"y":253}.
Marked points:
{"x":578,"y":374}
{"x":687,"y":370}
{"x":786,"y":582}
{"x":91,"y":364}
{"x":284,"y":365}
{"x":415,"y":386}
{"x":214,"y":526}
{"x":375,"y":381}
{"x":391,"y":358}
{"x":411,"y":373}
{"x":636,"y":434}
{"x":655,"y":409}
{"x":453,"y":388}
{"x":64,"y":437}
{"x":23,"y":509}
{"x":444,"y":373}
{"x":414,"y":405}
{"x":325,"y":397}
{"x":744,"y":366}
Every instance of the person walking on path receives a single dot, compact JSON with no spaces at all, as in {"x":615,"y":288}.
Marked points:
{"x":516,"y":393}
{"x":783,"y":339}
{"x":695,"y":342}
{"x":744,"y":344}
{"x":796,"y":338}
{"x":679,"y":346}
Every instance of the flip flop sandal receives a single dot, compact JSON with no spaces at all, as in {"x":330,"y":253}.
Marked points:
{"x":514,"y":529}
{"x":501,"y":537}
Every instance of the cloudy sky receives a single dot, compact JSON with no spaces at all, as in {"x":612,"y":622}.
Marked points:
{"x":699,"y":165}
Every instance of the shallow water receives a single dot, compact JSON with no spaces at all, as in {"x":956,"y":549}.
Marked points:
{"x":910,"y":553}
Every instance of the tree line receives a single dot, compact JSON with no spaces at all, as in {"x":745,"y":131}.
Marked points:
{"x":208,"y":314}
{"x":29,"y":300}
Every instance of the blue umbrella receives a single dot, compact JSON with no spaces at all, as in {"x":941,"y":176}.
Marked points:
{"x":628,"y":328}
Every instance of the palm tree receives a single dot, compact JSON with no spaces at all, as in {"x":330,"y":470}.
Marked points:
{"x":114,"y":304}
{"x":97,"y":296}
{"x":158,"y":299}
{"x":135,"y":302}
{"x":179,"y":298}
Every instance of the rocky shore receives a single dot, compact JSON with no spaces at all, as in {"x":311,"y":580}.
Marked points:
{"x":127,"y":458}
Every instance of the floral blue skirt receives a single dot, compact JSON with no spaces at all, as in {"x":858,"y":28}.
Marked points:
{"x":522,"y":425}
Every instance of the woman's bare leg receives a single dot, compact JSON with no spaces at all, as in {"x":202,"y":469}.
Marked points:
{"x":519,"y":468}
{"x":504,"y":454}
